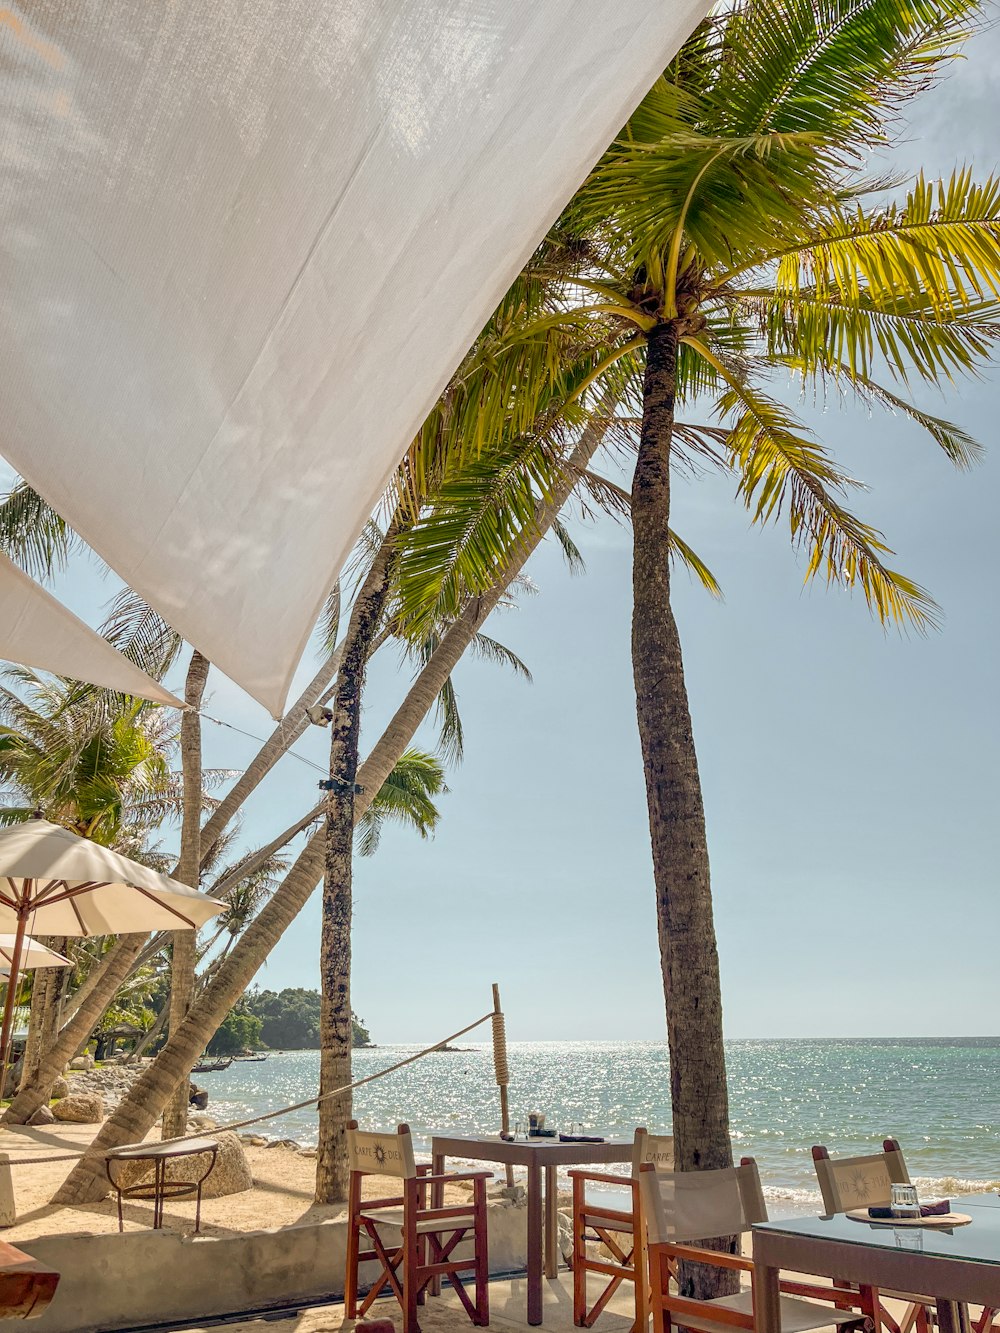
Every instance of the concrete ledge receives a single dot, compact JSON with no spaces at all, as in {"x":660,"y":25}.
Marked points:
{"x":120,"y":1281}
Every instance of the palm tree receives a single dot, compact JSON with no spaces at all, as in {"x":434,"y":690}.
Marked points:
{"x":140,"y":1109}
{"x":730,"y":238}
{"x":734,"y":232}
{"x":100,"y":771}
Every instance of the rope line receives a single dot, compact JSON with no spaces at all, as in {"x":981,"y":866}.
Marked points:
{"x":271,"y":1115}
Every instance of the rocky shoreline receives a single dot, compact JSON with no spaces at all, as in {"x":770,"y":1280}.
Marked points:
{"x":110,"y":1084}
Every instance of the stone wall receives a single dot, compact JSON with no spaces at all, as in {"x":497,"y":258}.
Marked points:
{"x":119,"y":1282}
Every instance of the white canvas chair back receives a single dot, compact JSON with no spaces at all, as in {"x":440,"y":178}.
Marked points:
{"x":658,"y":1149}
{"x":685,"y":1206}
{"x":859,"y":1182}
{"x":379,"y":1154}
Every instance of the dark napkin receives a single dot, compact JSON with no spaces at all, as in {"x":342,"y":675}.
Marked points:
{"x":580,"y":1138}
{"x":926,"y":1210}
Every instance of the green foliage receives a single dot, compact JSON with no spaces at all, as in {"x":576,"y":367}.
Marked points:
{"x":93,"y":767}
{"x":290,"y":1018}
{"x":734,"y":206}
{"x":406,"y":797}
{"x":33,"y":534}
{"x":239,"y":1031}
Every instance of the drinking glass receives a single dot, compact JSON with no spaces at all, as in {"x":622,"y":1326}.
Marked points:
{"x":909,"y":1238}
{"x":904,"y":1201}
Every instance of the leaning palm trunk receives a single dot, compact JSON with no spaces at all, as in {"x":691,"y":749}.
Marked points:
{"x":688,"y":953}
{"x":336,"y":1028}
{"x":284,"y":735}
{"x":184,"y":952}
{"x":138,"y":1112}
{"x":98,"y":988}
{"x":74,"y":1034}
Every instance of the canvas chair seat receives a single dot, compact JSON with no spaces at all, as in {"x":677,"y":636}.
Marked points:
{"x":620,"y":1233}
{"x":683,"y":1210}
{"x":393,"y":1217}
{"x":796,"y":1316}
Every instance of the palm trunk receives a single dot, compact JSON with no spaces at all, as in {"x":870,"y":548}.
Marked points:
{"x":87,"y":1183}
{"x":688,"y":953}
{"x":74,"y":1033}
{"x":99,"y":987}
{"x":149,"y":1037}
{"x":184,"y":953}
{"x":335,"y":944}
{"x":284,"y":735}
{"x":43,"y":1017}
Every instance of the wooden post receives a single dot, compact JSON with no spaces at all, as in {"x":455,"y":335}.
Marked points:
{"x":501,"y":1070}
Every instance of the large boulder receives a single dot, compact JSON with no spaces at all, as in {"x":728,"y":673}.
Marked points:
{"x":231,"y":1173}
{"x":60,"y":1088}
{"x":82,"y":1062}
{"x":80,"y":1108}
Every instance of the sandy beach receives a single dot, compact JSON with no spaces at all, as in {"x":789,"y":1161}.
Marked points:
{"x":282,"y":1196}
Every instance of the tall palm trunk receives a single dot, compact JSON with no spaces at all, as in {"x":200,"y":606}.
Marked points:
{"x":288,"y":730}
{"x":688,"y":953}
{"x":138,"y":1112}
{"x":335,"y":945}
{"x":184,"y":952}
{"x":43,"y":1017}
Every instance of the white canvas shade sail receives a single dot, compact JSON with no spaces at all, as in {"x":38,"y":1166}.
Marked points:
{"x":64,"y":885}
{"x":38,"y":631}
{"x":243,"y":247}
{"x":33,"y":955}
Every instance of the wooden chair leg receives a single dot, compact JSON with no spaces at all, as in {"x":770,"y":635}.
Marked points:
{"x":410,"y":1282}
{"x":579,"y":1258}
{"x":639,"y":1270}
{"x":871,"y":1306}
{"x":481,"y":1249}
{"x":351,"y":1273}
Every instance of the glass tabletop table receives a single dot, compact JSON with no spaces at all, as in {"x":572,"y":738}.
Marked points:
{"x":956,"y":1265}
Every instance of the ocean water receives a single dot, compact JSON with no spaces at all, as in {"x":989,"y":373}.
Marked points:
{"x":939,"y":1097}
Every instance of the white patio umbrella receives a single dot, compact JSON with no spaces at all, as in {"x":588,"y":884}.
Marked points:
{"x":59,"y":884}
{"x":33,"y":955}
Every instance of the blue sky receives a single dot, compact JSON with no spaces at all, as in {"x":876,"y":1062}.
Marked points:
{"x":850,"y":774}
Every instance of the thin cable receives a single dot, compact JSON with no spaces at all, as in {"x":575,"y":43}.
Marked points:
{"x":261,"y":740}
{"x":271,"y":1115}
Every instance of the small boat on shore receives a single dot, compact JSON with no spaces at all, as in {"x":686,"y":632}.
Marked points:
{"x":212,"y":1066}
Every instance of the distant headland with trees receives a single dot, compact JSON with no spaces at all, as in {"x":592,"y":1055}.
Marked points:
{"x":286,"y":1020}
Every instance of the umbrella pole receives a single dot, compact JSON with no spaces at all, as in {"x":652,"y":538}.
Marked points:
{"x":6,"y":1035}
{"x":501,"y":1070}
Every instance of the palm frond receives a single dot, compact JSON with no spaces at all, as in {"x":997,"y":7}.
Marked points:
{"x":490,"y":650}
{"x":141,"y":634}
{"x":943,"y":242}
{"x":840,"y":68}
{"x":406,"y":797}
{"x":906,"y":331}
{"x":32,"y":534}
{"x":780,"y":468}
{"x":571,"y":552}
